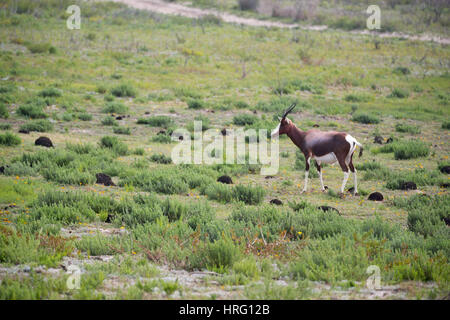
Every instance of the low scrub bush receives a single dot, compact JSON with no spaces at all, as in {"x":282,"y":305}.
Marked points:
{"x":161,"y":158}
{"x":3,"y":111}
{"x":37,"y":126}
{"x":244,"y":119}
{"x":365,"y":118}
{"x":115,"y":107}
{"x":124,"y":90}
{"x":9,"y":139}
{"x":402,"y":127}
{"x":156,"y":121}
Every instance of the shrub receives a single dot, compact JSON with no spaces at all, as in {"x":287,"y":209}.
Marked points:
{"x":365,"y":118}
{"x":85,"y":116}
{"x":195,"y":104}
{"x":3,"y":111}
{"x":162,"y":138}
{"x":123,"y":90}
{"x":248,"y":194}
{"x":113,"y":143}
{"x":161,"y":158}
{"x":219,"y":255}
{"x":426,"y":214}
{"x":50,"y":92}
{"x":244,"y":119}
{"x":122,"y":130}
{"x":5,"y":126}
{"x":410,"y":150}
{"x":33,"y":110}
{"x":446,"y":125}
{"x":115,"y":107}
{"x":109,"y":121}
{"x":9,"y":139}
{"x":401,"y":71}
{"x":156,"y":121}
{"x":354,"y":97}
{"x":399,"y":93}
{"x":37,"y":125}
{"x":403,"y":127}
{"x":40,"y":47}
{"x":219,"y":192}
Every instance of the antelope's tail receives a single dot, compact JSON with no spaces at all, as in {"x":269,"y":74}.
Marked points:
{"x":361,"y":149}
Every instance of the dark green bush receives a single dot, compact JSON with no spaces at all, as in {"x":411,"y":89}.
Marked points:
{"x":37,"y":125}
{"x":161,"y":158}
{"x":3,"y":111}
{"x":9,"y":139}
{"x":115,"y":107}
{"x":244,"y":119}
{"x":123,"y":90}
{"x":365,"y":118}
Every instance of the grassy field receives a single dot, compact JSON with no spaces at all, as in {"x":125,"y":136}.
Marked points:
{"x":407,"y":16}
{"x":166,"y":231}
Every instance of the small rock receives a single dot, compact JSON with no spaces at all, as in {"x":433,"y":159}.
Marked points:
{"x":44,"y":141}
{"x":26,"y":269}
{"x":408,"y":185}
{"x":378,"y":139}
{"x":119,"y":118}
{"x":225,"y":179}
{"x":147,"y":112}
{"x":327,"y":208}
{"x":445,"y":169}
{"x":375,"y":196}
{"x":109,"y":218}
{"x":269,"y":177}
{"x":276,"y":202}
{"x":26,"y":131}
{"x":104,"y":179}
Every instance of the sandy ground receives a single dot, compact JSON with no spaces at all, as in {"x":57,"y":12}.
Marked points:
{"x":163,"y":7}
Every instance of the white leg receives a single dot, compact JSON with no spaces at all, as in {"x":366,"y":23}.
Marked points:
{"x":356,"y":182}
{"x":344,"y":181}
{"x":306,"y":181}
{"x":321,"y":181}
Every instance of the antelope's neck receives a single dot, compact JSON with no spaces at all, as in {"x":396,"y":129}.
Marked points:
{"x":297,"y":136}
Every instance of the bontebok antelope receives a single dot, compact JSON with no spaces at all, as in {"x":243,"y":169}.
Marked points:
{"x":324,"y":147}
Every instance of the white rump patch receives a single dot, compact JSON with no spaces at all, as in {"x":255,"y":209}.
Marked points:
{"x":353,"y":144}
{"x":329,"y":158}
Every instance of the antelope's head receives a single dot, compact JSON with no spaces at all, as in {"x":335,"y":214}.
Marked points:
{"x":285,"y":123}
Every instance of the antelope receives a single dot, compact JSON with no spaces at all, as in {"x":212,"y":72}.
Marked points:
{"x":323,"y":147}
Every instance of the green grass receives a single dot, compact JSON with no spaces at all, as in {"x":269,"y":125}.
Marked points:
{"x":37,"y":125}
{"x":177,"y":217}
{"x":9,"y":139}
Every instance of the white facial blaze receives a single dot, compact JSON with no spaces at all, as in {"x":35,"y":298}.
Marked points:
{"x":276,"y":131}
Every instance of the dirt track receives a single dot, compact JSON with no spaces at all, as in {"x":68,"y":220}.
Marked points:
{"x":163,"y":7}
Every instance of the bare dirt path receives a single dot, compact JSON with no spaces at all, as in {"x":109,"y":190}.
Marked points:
{"x":163,"y":7}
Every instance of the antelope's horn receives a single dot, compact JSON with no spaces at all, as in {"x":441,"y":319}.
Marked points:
{"x":289,"y":110}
